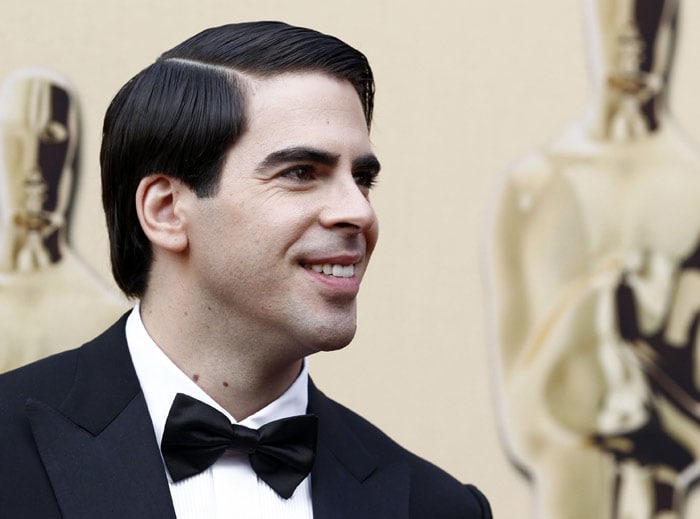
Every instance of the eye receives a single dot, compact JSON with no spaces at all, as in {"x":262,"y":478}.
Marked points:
{"x":299,"y":173}
{"x":366,"y":178}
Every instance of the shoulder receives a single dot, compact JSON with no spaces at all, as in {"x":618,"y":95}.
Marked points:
{"x":433,"y":492}
{"x":46,"y":379}
{"x":52,"y":378}
{"x":24,"y":485}
{"x":25,"y":489}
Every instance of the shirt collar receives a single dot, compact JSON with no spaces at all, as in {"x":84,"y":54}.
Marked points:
{"x":161,"y":380}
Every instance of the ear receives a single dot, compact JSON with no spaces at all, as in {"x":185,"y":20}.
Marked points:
{"x":159,"y":205}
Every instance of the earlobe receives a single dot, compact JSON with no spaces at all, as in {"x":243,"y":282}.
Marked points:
{"x":158,"y":205}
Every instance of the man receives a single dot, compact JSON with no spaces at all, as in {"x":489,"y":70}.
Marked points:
{"x":236,"y":177}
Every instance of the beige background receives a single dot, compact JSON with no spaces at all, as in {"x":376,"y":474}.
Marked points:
{"x":464,"y":90}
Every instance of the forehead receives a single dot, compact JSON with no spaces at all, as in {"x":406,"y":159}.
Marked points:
{"x":303,"y":97}
{"x":295,"y":110}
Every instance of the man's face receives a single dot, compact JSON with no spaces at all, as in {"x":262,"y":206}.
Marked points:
{"x":281,"y":249}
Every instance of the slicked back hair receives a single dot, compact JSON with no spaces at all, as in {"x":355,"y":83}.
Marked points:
{"x":180,"y":115}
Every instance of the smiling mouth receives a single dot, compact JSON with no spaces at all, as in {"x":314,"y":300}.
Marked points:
{"x":333,"y":269}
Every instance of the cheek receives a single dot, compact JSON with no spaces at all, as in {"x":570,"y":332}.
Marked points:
{"x":13,"y":157}
{"x":286,"y":220}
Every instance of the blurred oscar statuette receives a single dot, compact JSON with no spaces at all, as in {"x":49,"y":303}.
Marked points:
{"x":49,"y":299}
{"x":593,"y":279}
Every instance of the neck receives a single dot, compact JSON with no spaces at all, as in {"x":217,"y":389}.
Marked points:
{"x":238,"y":370}
{"x":33,"y":249}
{"x":616,"y":114}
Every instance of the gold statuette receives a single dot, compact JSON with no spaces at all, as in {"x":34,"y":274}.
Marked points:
{"x":49,"y":300}
{"x":593,"y":272}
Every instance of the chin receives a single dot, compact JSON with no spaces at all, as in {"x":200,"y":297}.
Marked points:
{"x":333,"y":339}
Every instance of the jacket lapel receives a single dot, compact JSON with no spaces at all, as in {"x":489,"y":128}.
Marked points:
{"x":347,"y":480}
{"x":98,"y":447}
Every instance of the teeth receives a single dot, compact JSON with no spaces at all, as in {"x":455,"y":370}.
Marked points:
{"x":335,"y":270}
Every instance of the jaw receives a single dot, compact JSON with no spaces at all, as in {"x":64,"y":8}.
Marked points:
{"x":328,"y":323}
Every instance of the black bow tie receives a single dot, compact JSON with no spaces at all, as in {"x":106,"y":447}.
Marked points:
{"x":196,"y":435}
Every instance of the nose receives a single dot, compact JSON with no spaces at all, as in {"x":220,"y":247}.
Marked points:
{"x":348,"y":207}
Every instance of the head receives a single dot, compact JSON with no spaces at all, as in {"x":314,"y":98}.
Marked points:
{"x":632,"y":43}
{"x":181,"y":115}
{"x":38,"y":146}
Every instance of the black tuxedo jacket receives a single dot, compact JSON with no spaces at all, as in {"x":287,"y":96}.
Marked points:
{"x":76,"y":441}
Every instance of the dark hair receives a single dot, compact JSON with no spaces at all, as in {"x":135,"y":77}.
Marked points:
{"x":180,"y":115}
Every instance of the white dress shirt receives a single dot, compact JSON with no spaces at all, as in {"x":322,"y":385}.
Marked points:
{"x":229,"y":488}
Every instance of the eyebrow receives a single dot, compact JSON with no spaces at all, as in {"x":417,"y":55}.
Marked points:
{"x":298,"y":154}
{"x":367,"y":163}
{"x":308,"y":154}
